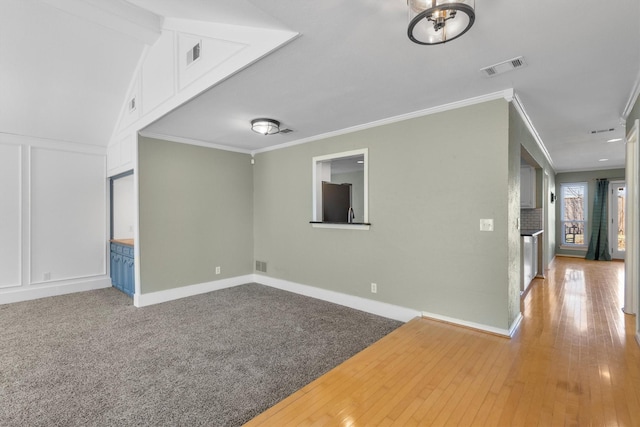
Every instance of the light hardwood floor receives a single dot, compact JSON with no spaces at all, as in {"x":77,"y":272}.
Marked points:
{"x":574,"y":361}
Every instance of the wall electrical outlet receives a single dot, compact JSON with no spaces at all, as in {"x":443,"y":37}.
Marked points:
{"x":374,"y":288}
{"x":46,"y":276}
{"x":218,"y":270}
{"x":486,"y":225}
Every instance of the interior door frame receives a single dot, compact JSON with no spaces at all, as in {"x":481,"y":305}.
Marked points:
{"x":613,"y":213}
{"x":632,"y":226}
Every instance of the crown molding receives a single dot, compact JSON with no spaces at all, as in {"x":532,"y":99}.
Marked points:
{"x":503,"y":94}
{"x":631,"y":102}
{"x":190,"y":141}
{"x":517,"y":103}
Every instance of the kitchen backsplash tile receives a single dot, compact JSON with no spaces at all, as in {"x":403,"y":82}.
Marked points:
{"x":531,"y":219}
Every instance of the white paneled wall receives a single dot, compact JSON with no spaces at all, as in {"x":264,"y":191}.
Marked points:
{"x":121,"y":154}
{"x":10,"y":177}
{"x":53,"y":218}
{"x":68,"y":215}
{"x":213,"y":53}
{"x":158,"y":73}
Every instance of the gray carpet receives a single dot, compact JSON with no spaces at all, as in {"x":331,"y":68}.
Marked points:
{"x":217,"y":359}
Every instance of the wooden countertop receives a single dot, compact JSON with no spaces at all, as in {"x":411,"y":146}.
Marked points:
{"x":127,"y":242}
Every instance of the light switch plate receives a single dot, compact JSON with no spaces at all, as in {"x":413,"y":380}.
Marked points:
{"x":486,"y":225}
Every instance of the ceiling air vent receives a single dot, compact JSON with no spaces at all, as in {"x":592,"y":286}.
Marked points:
{"x":503,"y":67}
{"x":602,"y":130}
{"x":285,"y":131}
{"x":194,"y":53}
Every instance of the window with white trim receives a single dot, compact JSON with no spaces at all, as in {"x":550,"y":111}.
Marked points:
{"x":573,"y":213}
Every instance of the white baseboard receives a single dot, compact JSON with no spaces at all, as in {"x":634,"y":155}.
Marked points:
{"x":630,"y":311}
{"x":515,"y":325}
{"x":389,"y":311}
{"x":54,"y":289}
{"x":383,"y":309}
{"x":479,"y":326}
{"x":571,"y":256}
{"x":158,"y":297}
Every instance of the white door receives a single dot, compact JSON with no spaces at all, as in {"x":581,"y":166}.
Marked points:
{"x":617,"y":203}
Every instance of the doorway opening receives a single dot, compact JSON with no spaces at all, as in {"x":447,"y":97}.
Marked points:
{"x":617,"y":210}
{"x":121,"y":243}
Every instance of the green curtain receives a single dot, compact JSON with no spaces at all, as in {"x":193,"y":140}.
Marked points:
{"x":599,"y":242}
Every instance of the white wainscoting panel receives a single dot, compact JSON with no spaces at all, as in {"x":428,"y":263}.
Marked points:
{"x":10,"y":223}
{"x":68,"y":213}
{"x":53,"y":218}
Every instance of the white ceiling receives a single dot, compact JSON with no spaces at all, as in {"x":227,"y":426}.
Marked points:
{"x":66,"y":78}
{"x":62,"y":76}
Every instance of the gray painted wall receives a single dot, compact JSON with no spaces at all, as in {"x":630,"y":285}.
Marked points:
{"x":519,"y":133}
{"x":590,"y":177}
{"x":513,"y":237}
{"x":196,"y":213}
{"x":431,"y":179}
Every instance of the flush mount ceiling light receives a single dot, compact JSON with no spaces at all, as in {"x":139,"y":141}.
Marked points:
{"x":265,"y":126}
{"x":439,"y":21}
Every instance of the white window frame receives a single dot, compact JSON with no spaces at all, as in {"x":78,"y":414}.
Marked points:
{"x":585,"y":207}
{"x":320,"y":172}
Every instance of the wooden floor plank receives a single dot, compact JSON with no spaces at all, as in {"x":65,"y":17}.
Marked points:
{"x":573,"y":361}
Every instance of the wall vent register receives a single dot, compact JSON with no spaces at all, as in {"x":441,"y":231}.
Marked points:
{"x":261,"y":266}
{"x":194,"y":53}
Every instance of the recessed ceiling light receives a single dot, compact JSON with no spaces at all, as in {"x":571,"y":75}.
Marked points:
{"x":614,"y":140}
{"x":603,"y":160}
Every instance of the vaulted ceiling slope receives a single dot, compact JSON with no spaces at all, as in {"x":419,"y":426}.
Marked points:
{"x":66,"y":66}
{"x":64,"y":76}
{"x":64,"y":71}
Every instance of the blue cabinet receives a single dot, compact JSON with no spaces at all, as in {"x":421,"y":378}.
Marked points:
{"x":122,"y":268}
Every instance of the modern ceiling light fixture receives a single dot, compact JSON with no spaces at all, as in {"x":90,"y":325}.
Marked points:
{"x":265,"y":126}
{"x":439,"y":21}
